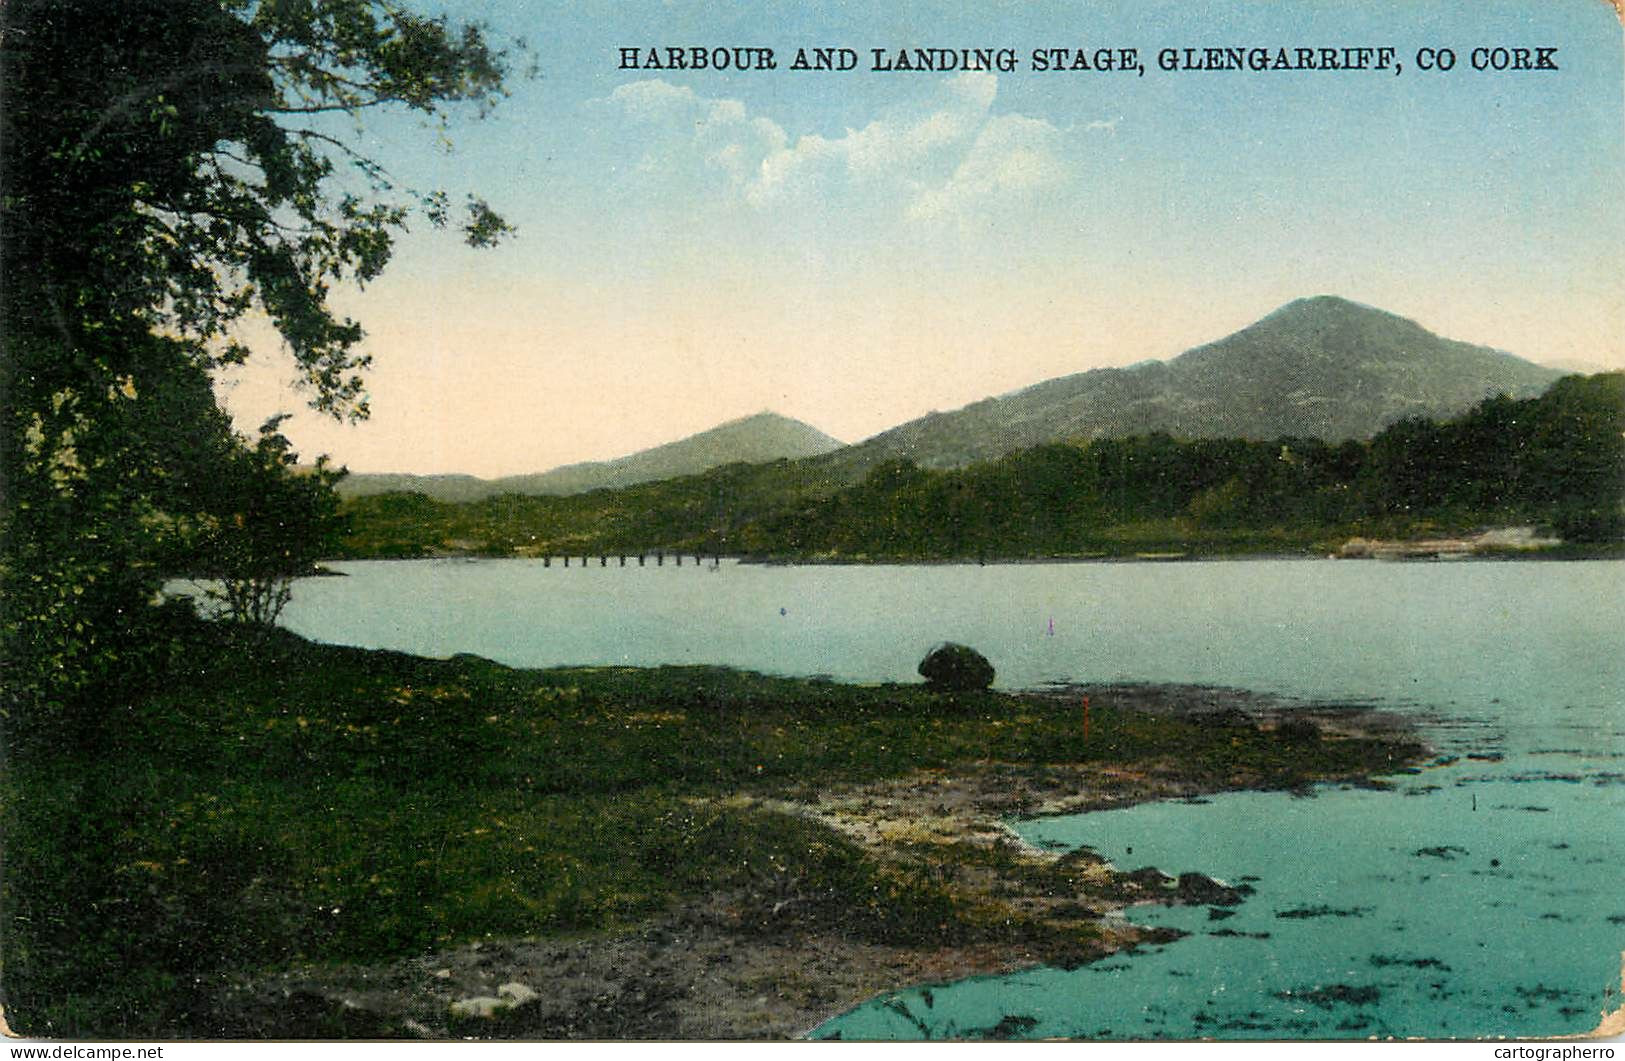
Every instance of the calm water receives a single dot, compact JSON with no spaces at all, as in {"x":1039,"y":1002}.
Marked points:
{"x":1481,"y":897}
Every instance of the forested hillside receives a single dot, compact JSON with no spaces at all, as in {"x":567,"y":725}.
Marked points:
{"x":1556,"y":461}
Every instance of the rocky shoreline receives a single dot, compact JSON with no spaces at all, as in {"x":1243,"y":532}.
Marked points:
{"x":776,"y":963}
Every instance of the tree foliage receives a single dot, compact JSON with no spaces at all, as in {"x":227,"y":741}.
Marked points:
{"x":270,"y":522}
{"x":173,"y":169}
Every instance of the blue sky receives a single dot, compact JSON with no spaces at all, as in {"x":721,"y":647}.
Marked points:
{"x":859,"y":248}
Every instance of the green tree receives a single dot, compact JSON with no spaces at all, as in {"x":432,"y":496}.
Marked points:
{"x":1576,"y":434}
{"x":269,"y":522}
{"x":171,"y":168}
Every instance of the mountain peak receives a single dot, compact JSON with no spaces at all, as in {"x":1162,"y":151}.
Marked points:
{"x":1322,"y":309}
{"x":1323,"y":367}
{"x":1329,"y":302}
{"x":754,"y":439}
{"x":765,"y":417}
{"x":770,"y":429}
{"x":1322,"y":327}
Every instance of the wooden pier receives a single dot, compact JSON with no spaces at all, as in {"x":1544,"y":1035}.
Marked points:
{"x":584,"y":560}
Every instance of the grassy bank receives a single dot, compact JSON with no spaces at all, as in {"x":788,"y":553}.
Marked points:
{"x":276,"y":802}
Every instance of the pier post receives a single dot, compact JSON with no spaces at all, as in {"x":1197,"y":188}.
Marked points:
{"x":547,"y":561}
{"x":603,"y":561}
{"x":679,"y":559}
{"x":567,"y":560}
{"x":641,"y":558}
{"x":660,"y":559}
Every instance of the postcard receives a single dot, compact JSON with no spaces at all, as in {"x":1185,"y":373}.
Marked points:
{"x":928,"y":521}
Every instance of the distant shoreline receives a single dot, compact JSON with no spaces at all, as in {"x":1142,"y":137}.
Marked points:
{"x":1611,"y":551}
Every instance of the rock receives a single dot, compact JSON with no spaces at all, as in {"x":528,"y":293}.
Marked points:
{"x":1514,"y":538}
{"x":1011,"y":1026}
{"x":1081,"y":856}
{"x":485,"y":1006}
{"x":956,"y":668}
{"x":1304,"y":912}
{"x":1150,"y":878}
{"x":516,"y":993}
{"x":1197,"y":889}
{"x":1334,"y":995}
{"x":508,"y":996}
{"x":1230,"y":933}
{"x":1355,"y":549}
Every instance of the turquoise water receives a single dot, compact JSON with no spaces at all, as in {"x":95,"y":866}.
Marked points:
{"x":1480,"y":897}
{"x":1389,"y":914}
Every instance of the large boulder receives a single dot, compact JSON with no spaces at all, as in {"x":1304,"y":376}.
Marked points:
{"x":956,"y":668}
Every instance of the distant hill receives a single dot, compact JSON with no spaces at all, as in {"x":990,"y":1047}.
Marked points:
{"x":1574,"y":365}
{"x":1320,"y":367}
{"x":752,"y":440}
{"x":440,"y":487}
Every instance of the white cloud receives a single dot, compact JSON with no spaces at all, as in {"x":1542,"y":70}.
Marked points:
{"x":654,"y":100}
{"x":897,"y":150}
{"x":931,"y":160}
{"x":720,"y":133}
{"x":1012,"y":156}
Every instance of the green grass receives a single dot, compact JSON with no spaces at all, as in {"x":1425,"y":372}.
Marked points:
{"x":279,"y":802}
